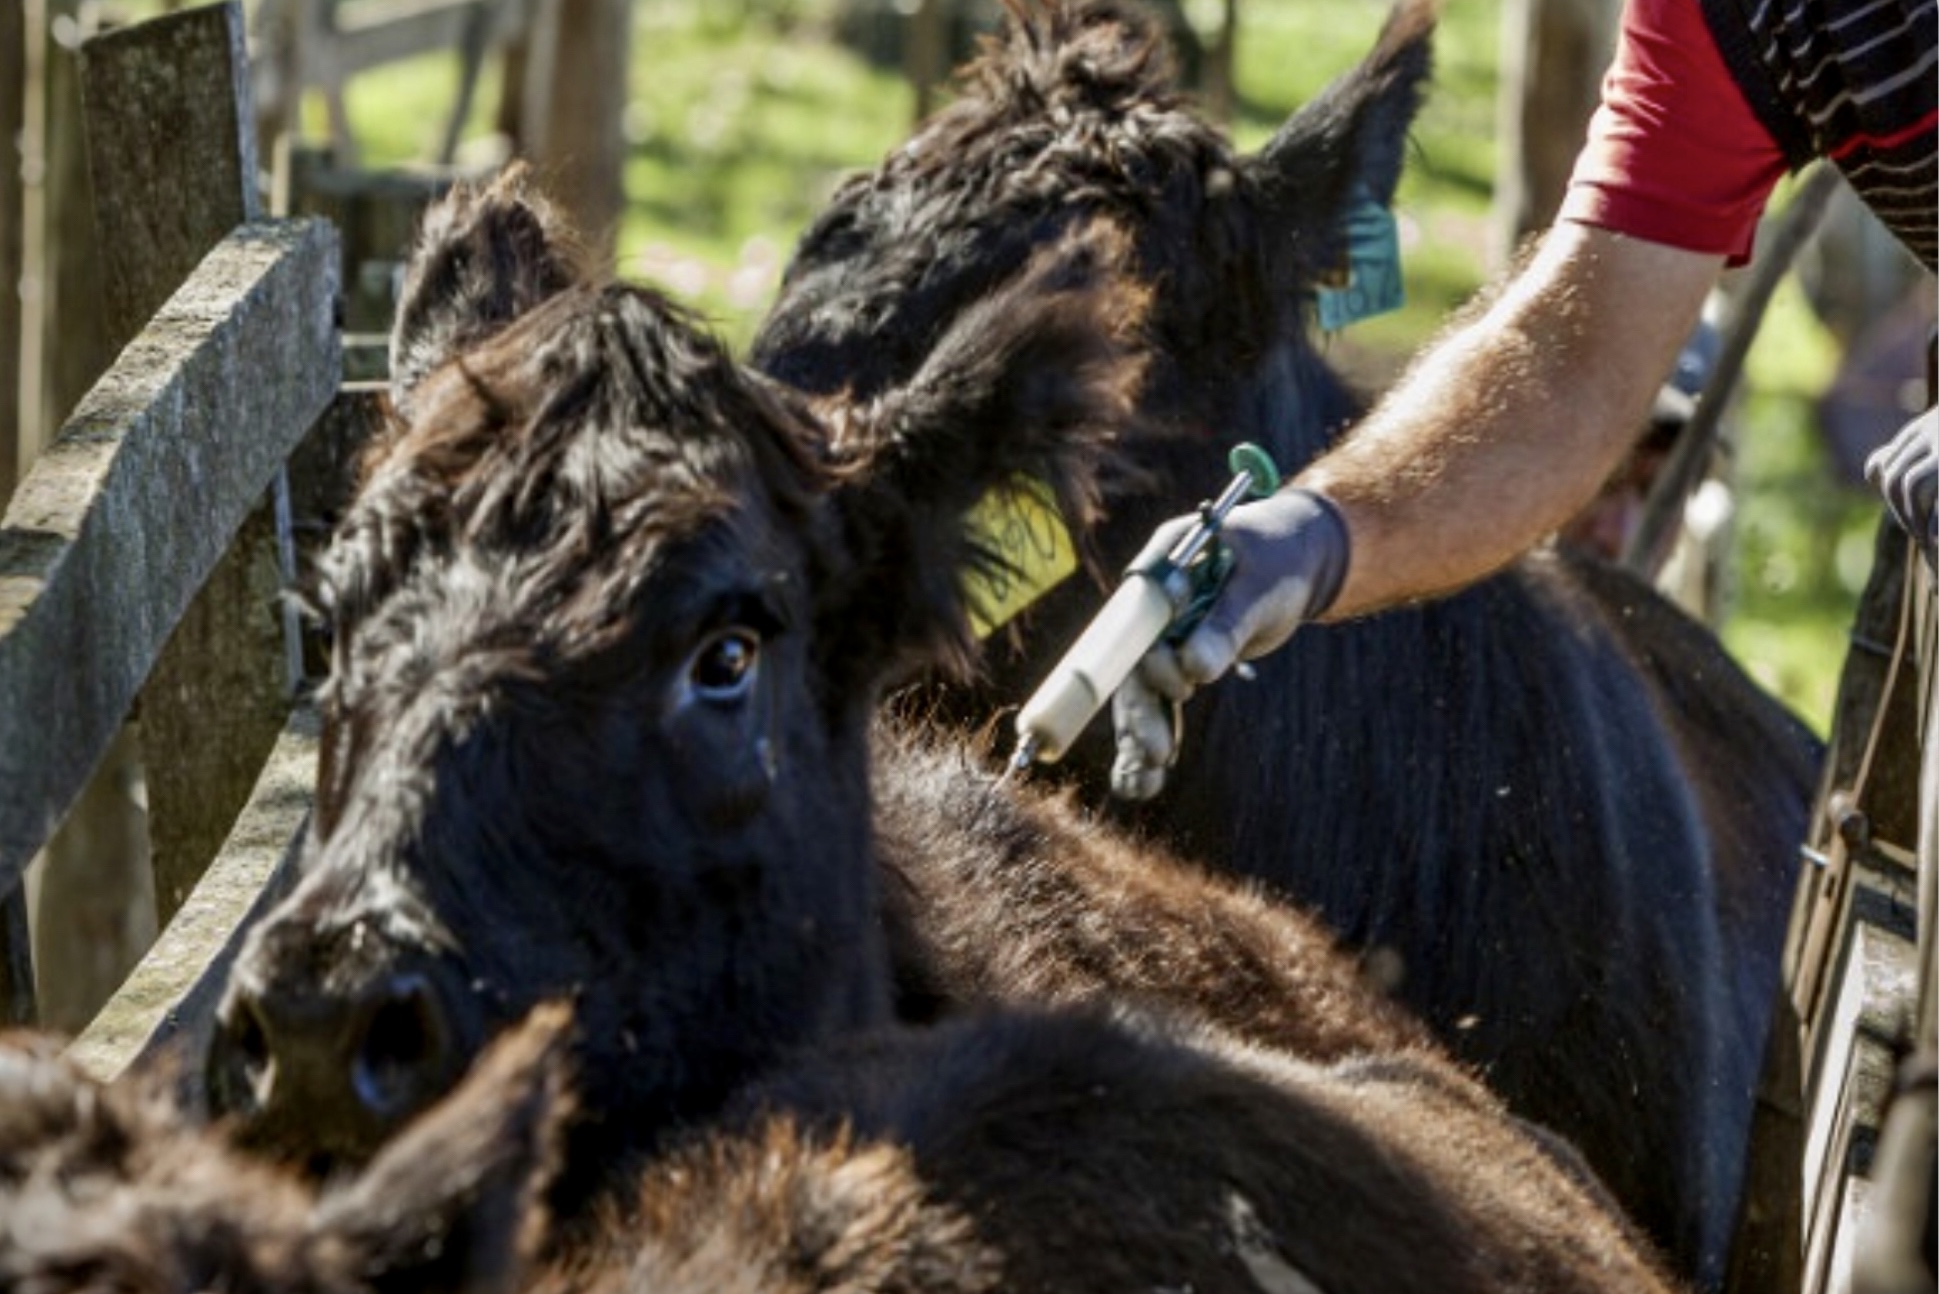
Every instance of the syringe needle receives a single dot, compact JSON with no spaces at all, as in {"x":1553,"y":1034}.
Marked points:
{"x":1020,"y":759}
{"x":1028,"y":747}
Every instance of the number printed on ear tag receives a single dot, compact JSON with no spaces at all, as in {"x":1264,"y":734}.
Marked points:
{"x":1372,"y":283}
{"x":1020,"y":522}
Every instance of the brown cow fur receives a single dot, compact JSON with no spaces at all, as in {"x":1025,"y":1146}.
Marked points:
{"x":1073,"y":1150}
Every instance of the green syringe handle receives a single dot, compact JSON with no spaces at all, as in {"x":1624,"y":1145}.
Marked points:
{"x":1257,"y":463}
{"x":1254,"y":473}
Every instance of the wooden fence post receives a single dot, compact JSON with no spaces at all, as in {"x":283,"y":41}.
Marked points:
{"x":926,"y":53}
{"x":1221,"y":84}
{"x":575,"y":98}
{"x":172,"y":150}
{"x":1553,"y":55}
{"x":13,"y":106}
{"x":94,"y":911}
{"x":16,"y":971}
{"x":75,"y":348}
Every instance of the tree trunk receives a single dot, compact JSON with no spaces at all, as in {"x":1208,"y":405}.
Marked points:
{"x":1553,"y":56}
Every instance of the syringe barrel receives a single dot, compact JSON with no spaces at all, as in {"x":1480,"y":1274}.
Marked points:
{"x":1101,"y":659}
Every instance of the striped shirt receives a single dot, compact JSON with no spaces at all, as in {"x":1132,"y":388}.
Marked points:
{"x":1706,"y":108}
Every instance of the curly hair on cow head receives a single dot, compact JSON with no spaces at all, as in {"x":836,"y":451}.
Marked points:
{"x":1074,"y":119}
{"x":1107,"y":55}
{"x":548,"y":461}
{"x":604,"y":420}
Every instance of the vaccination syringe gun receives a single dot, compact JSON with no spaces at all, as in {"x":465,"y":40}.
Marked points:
{"x":1167,"y":597}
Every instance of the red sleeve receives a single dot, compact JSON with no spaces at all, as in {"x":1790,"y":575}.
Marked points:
{"x":1674,"y":153}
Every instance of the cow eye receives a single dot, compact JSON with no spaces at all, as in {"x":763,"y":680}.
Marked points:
{"x":723,"y":668}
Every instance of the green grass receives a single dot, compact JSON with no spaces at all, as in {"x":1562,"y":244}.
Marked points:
{"x":740,"y":131}
{"x":1803,"y":542}
{"x":738,"y":127}
{"x":744,"y":117}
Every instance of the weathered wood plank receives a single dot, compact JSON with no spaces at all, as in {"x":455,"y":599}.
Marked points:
{"x":217,"y":696}
{"x":74,"y":345}
{"x":94,"y":907}
{"x":16,"y":963}
{"x":69,"y":349}
{"x":925,"y":53}
{"x":170,"y":999}
{"x":172,"y":151}
{"x":13,"y":106}
{"x":373,"y":33}
{"x":121,"y":521}
{"x":1867,"y":1016}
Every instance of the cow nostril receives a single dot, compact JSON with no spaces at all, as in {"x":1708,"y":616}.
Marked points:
{"x":240,"y":1066}
{"x":400,"y":1062}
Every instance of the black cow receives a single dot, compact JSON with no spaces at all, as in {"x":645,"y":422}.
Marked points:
{"x":1558,"y":807}
{"x":1066,"y":1151}
{"x":612,"y":617}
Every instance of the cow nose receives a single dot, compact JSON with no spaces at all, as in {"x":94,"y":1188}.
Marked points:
{"x":404,"y":1040}
{"x":333,"y":1073}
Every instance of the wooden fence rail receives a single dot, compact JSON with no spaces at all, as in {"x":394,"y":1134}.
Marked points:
{"x":120,"y":522}
{"x":142,"y":557}
{"x":132,"y":554}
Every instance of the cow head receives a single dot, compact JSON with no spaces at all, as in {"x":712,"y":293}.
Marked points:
{"x":610,"y":615}
{"x":1072,"y":117}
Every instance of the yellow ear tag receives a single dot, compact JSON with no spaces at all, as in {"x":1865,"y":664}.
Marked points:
{"x":1020,"y":522}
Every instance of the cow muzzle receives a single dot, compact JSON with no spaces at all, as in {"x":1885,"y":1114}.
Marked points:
{"x":322,"y":1070}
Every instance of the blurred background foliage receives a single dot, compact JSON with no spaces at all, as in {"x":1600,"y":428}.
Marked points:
{"x":744,"y":114}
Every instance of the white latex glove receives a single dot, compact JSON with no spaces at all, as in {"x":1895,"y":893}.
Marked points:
{"x":1289,"y":555}
{"x":1906,"y":472}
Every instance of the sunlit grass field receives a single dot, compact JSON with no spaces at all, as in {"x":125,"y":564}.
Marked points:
{"x":745,"y":115}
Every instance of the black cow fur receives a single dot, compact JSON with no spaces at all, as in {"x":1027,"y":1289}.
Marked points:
{"x":1072,"y":1150}
{"x":1555,"y":810}
{"x":612,"y":618}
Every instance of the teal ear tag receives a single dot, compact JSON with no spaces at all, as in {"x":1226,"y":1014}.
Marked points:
{"x":1370,"y":283}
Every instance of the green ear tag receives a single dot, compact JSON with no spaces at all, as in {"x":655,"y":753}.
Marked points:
{"x":1370,"y":283}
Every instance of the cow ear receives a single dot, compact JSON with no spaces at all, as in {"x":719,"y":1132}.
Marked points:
{"x":1036,"y":382}
{"x":456,"y":1201}
{"x":484,"y":255}
{"x":1348,"y":140}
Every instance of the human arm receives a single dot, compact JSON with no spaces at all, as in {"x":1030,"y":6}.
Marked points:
{"x":1504,"y":429}
{"x":1496,"y":435}
{"x":1519,"y":414}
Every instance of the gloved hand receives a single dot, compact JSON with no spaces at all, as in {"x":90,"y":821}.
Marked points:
{"x":1289,"y":557}
{"x":1906,"y":472}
